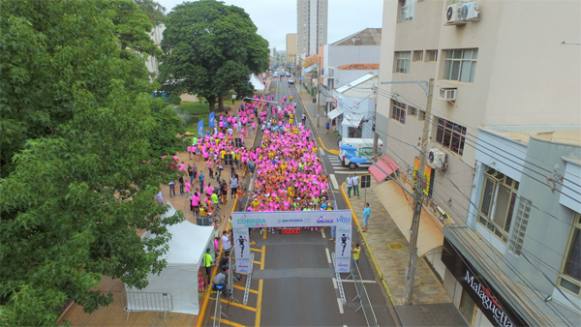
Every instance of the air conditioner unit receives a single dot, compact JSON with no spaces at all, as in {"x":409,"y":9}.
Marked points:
{"x":437,"y":158}
{"x":452,"y":17}
{"x":469,"y":11}
{"x":448,"y":94}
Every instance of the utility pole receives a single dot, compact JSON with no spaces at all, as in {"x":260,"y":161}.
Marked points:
{"x":374,"y":127}
{"x":317,"y":101}
{"x":419,"y":196}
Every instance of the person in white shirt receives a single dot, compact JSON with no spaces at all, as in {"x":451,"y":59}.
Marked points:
{"x":349,"y":185}
{"x":226,"y":244}
{"x":355,"y":182}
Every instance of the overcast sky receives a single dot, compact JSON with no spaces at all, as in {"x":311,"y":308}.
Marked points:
{"x":276,"y":18}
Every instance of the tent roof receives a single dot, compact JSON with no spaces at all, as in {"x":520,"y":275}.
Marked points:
{"x":188,"y":241}
{"x":256,"y":83}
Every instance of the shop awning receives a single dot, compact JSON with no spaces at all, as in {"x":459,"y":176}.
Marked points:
{"x":382,"y":168}
{"x":399,"y":206}
{"x":352,"y":120}
{"x":335,"y":113}
{"x":512,"y":285}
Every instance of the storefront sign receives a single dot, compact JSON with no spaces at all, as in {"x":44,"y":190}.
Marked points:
{"x":428,"y":178}
{"x":492,"y":306}
{"x":339,"y":219}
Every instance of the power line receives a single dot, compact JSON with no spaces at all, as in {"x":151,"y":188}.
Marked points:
{"x":525,"y":161}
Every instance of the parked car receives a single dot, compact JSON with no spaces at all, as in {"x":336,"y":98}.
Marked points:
{"x":355,"y":152}
{"x":291,"y":81}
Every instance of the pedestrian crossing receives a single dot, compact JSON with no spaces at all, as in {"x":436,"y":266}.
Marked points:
{"x":340,"y":170}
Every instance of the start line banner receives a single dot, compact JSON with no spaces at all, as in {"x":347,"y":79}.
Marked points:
{"x":340,"y":219}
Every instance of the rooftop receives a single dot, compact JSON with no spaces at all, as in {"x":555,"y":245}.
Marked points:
{"x":570,"y":135}
{"x":368,"y":36}
{"x":359,"y":67}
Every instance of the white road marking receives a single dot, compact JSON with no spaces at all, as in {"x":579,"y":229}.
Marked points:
{"x":354,"y":172}
{"x":368,"y":281}
{"x":323,"y":233}
{"x":340,"y":305}
{"x":321,"y":151}
{"x":334,"y":181}
{"x":328,"y":255}
{"x":334,"y":282}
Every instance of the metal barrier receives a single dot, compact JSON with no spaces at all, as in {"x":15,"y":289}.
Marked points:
{"x":148,"y":301}
{"x":248,"y":281}
{"x":217,"y":310}
{"x":364,"y":302}
{"x":339,"y":281}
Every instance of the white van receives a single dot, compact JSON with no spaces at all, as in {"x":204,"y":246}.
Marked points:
{"x":357,"y":152}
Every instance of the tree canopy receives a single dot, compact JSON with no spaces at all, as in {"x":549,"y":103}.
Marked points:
{"x":210,"y":49}
{"x":82,"y":143}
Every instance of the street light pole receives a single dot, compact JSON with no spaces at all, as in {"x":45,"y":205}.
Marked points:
{"x":419,"y":197}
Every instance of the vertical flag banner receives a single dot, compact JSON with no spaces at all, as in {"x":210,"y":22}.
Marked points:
{"x":212,"y":120}
{"x":201,"y":128}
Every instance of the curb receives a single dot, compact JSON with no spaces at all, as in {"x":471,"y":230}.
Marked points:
{"x":378,"y":272}
{"x":321,"y":143}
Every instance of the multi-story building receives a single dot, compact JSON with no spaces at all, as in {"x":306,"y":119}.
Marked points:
{"x":505,"y":73}
{"x":291,"y":48}
{"x":311,"y":26}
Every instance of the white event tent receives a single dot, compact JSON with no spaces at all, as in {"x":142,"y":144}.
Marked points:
{"x":175,"y":289}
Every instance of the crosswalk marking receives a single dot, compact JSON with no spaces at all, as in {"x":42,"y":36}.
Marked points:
{"x":334,"y":181}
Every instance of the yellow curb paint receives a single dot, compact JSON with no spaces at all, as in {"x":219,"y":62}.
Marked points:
{"x":258,"y":316}
{"x":256,"y":262}
{"x":238,"y":287}
{"x":263,"y":257}
{"x":238,"y":305}
{"x":371,"y":256}
{"x":256,"y":250}
{"x":229,"y":322}
{"x":206,"y":299}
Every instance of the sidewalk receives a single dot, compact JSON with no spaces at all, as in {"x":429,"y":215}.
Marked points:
{"x":327,"y":139}
{"x":388,"y":250}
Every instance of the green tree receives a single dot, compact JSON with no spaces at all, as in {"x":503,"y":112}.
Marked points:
{"x":153,"y":10}
{"x":211,"y":48}
{"x":85,"y":149}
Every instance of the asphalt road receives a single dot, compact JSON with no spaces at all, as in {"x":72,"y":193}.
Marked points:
{"x":299,"y":285}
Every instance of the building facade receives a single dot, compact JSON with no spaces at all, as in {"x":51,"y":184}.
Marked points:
{"x":504,"y":147}
{"x":475,"y":83}
{"x":311,"y":26}
{"x":291,"y":48}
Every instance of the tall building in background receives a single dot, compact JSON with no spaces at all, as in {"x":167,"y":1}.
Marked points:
{"x":291,"y":48}
{"x":311,"y":26}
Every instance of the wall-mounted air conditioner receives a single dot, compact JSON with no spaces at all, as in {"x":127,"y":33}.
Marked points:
{"x":469,"y":11}
{"x":448,"y":94}
{"x":437,"y":158}
{"x":452,"y":15}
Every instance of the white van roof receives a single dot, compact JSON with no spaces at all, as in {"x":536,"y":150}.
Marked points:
{"x":360,"y":141}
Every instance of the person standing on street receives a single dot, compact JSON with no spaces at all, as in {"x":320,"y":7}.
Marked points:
{"x":201,"y":180}
{"x":349,"y":185}
{"x":172,"y":188}
{"x":226,"y":244}
{"x":356,"y":253}
{"x":181,"y":182}
{"x":355,"y":182}
{"x":208,"y":261}
{"x":233,"y":186}
{"x":366,"y":215}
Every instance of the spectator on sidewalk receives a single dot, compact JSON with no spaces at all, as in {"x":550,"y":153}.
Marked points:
{"x":233,"y":185}
{"x":349,"y":185}
{"x":355,"y":182}
{"x":201,"y":180}
{"x":181,"y":182}
{"x":208,"y":262}
{"x":172,"y":188}
{"x":366,"y":215}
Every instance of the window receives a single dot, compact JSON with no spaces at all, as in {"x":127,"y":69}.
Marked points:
{"x":451,"y":135}
{"x":520,"y":225}
{"x":401,"y":62}
{"x":422,"y":115}
{"x":407,"y":10}
{"x":497,"y":202}
{"x":418,"y":55}
{"x":412,"y":111}
{"x":431,"y":56}
{"x":460,"y":64}
{"x":354,"y":132}
{"x":398,"y":111}
{"x":571,"y":271}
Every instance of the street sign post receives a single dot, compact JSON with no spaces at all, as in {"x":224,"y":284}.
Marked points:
{"x":365,"y":184}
